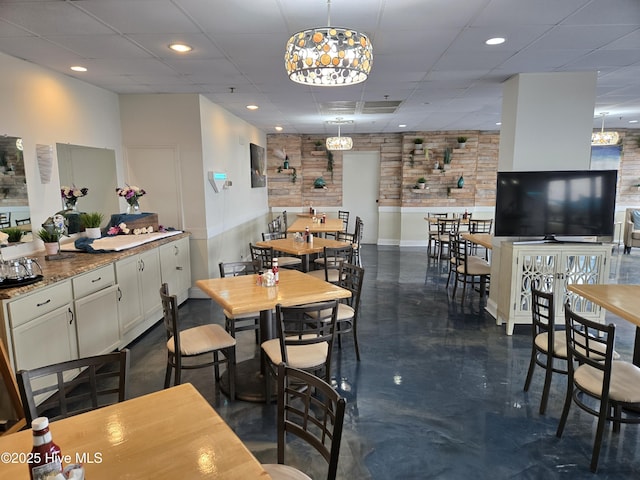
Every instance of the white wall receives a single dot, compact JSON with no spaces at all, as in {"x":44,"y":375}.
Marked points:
{"x":45,"y":107}
{"x":207,"y":138}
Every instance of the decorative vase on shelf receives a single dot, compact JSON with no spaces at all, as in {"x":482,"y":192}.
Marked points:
{"x":460,"y":182}
{"x":133,"y":207}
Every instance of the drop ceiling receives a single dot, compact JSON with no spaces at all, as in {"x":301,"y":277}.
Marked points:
{"x":431,"y":68}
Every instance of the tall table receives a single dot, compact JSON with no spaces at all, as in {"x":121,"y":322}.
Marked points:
{"x":241,"y":294}
{"x":621,"y":300}
{"x":301,"y":249}
{"x":173,"y":433}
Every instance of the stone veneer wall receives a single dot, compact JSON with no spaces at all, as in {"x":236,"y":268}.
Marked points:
{"x":400,"y":168}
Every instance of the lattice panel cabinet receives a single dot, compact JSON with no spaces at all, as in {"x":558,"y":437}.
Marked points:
{"x":551,"y":267}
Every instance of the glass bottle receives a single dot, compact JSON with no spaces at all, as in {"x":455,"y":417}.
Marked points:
{"x":307,"y":237}
{"x":45,"y":461}
{"x":274,"y":269}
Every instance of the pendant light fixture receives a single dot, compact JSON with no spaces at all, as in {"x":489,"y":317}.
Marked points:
{"x":339,"y":143}
{"x":602,"y":137}
{"x":328,"y":56}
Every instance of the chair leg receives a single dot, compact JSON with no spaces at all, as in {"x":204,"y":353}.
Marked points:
{"x":602,"y":419}
{"x":355,"y":340}
{"x":167,"y":376}
{"x":267,"y":378}
{"x":231,"y":371}
{"x":216,"y":366}
{"x":547,"y":384}
{"x":565,"y":408}
{"x":532,"y":366}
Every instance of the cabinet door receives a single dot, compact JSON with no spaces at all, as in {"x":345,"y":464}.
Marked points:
{"x":581,"y":267}
{"x":175,"y":267}
{"x":129,"y":297}
{"x":150,"y":282}
{"x":97,"y":322}
{"x":533,"y":269}
{"x":48,"y":339}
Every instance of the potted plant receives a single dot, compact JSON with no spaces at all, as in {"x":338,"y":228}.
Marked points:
{"x":446,"y":161}
{"x":422,"y":183}
{"x":51,"y":239}
{"x":15,"y":234}
{"x":462,"y":141}
{"x":418,"y":144}
{"x":318,"y":145}
{"x":91,"y":222}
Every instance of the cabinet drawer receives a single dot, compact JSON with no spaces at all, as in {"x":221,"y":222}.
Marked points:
{"x":39,"y":303}
{"x":93,"y":281}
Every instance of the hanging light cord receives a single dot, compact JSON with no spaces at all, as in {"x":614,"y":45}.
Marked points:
{"x":328,"y":13}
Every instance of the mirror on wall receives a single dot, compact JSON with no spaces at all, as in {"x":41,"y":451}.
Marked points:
{"x":92,"y":168}
{"x":14,"y":199}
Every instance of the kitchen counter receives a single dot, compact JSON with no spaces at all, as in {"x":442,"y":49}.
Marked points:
{"x":76,"y":263}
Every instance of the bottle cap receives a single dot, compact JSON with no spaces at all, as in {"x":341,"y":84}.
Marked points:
{"x":39,"y":423}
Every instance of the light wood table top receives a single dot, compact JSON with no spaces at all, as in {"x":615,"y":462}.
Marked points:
{"x":331,"y":225}
{"x":483,"y":239}
{"x":173,"y":433}
{"x":621,"y":300}
{"x":288,"y":245}
{"x":241,"y":294}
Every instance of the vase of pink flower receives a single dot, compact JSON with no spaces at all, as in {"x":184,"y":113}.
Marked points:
{"x":70,"y":196}
{"x":131,"y":194}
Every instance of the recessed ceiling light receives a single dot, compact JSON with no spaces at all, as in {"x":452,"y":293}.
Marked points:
{"x":633,"y":121}
{"x":279,"y":128}
{"x":498,"y":123}
{"x":180,"y":47}
{"x":402,"y":125}
{"x":252,"y":107}
{"x":495,"y":41}
{"x":79,"y":68}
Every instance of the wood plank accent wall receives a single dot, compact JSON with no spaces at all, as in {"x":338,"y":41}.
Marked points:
{"x":477,"y":163}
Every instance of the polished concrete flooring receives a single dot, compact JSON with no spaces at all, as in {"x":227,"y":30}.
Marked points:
{"x":439,"y":390}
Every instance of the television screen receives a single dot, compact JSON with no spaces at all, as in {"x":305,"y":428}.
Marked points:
{"x":558,"y":203}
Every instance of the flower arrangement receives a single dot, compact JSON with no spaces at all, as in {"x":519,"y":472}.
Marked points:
{"x":122,"y":229}
{"x":71,"y":194}
{"x":131,"y":193}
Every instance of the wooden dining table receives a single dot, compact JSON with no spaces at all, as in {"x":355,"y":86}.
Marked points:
{"x":331,"y":225}
{"x":304,"y":250}
{"x":173,"y":433}
{"x":620,"y":299}
{"x":241,"y":295}
{"x":483,"y":239}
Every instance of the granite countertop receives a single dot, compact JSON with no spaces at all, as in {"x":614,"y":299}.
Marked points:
{"x":76,"y":263}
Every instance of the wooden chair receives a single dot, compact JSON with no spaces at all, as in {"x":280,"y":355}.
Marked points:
{"x":312,"y":410}
{"x":480,"y":226}
{"x":12,"y":389}
{"x":196,"y":342}
{"x":432,"y":231}
{"x":23,"y":221}
{"x":284,"y":260}
{"x":595,"y":376}
{"x":245,"y":321}
{"x":548,"y":344}
{"x":97,"y":381}
{"x":332,"y":259}
{"x":305,"y":335}
{"x":264,"y":255}
{"x":344,"y":216}
{"x":446,"y":228}
{"x":5,"y":219}
{"x":351,"y":277}
{"x":468,"y":267}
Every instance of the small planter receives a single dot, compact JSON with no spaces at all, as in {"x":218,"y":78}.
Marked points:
{"x":446,"y":166}
{"x":51,"y":248}
{"x":462,"y":145}
{"x":422,"y":186}
{"x":93,"y":232}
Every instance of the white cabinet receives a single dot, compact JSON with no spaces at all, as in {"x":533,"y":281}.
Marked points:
{"x":43,"y":327}
{"x":552,"y":268}
{"x":139,"y":283}
{"x":175,"y":268}
{"x":96,"y":308}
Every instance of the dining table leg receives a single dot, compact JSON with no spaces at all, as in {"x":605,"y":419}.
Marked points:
{"x":636,"y":348}
{"x":250,"y":373}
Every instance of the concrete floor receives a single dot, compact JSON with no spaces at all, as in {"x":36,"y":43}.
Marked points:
{"x":438,"y":393}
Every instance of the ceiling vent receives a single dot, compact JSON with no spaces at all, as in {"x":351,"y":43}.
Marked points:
{"x":385,"y":106}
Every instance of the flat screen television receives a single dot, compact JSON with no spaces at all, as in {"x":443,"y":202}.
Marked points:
{"x":572,"y":203}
